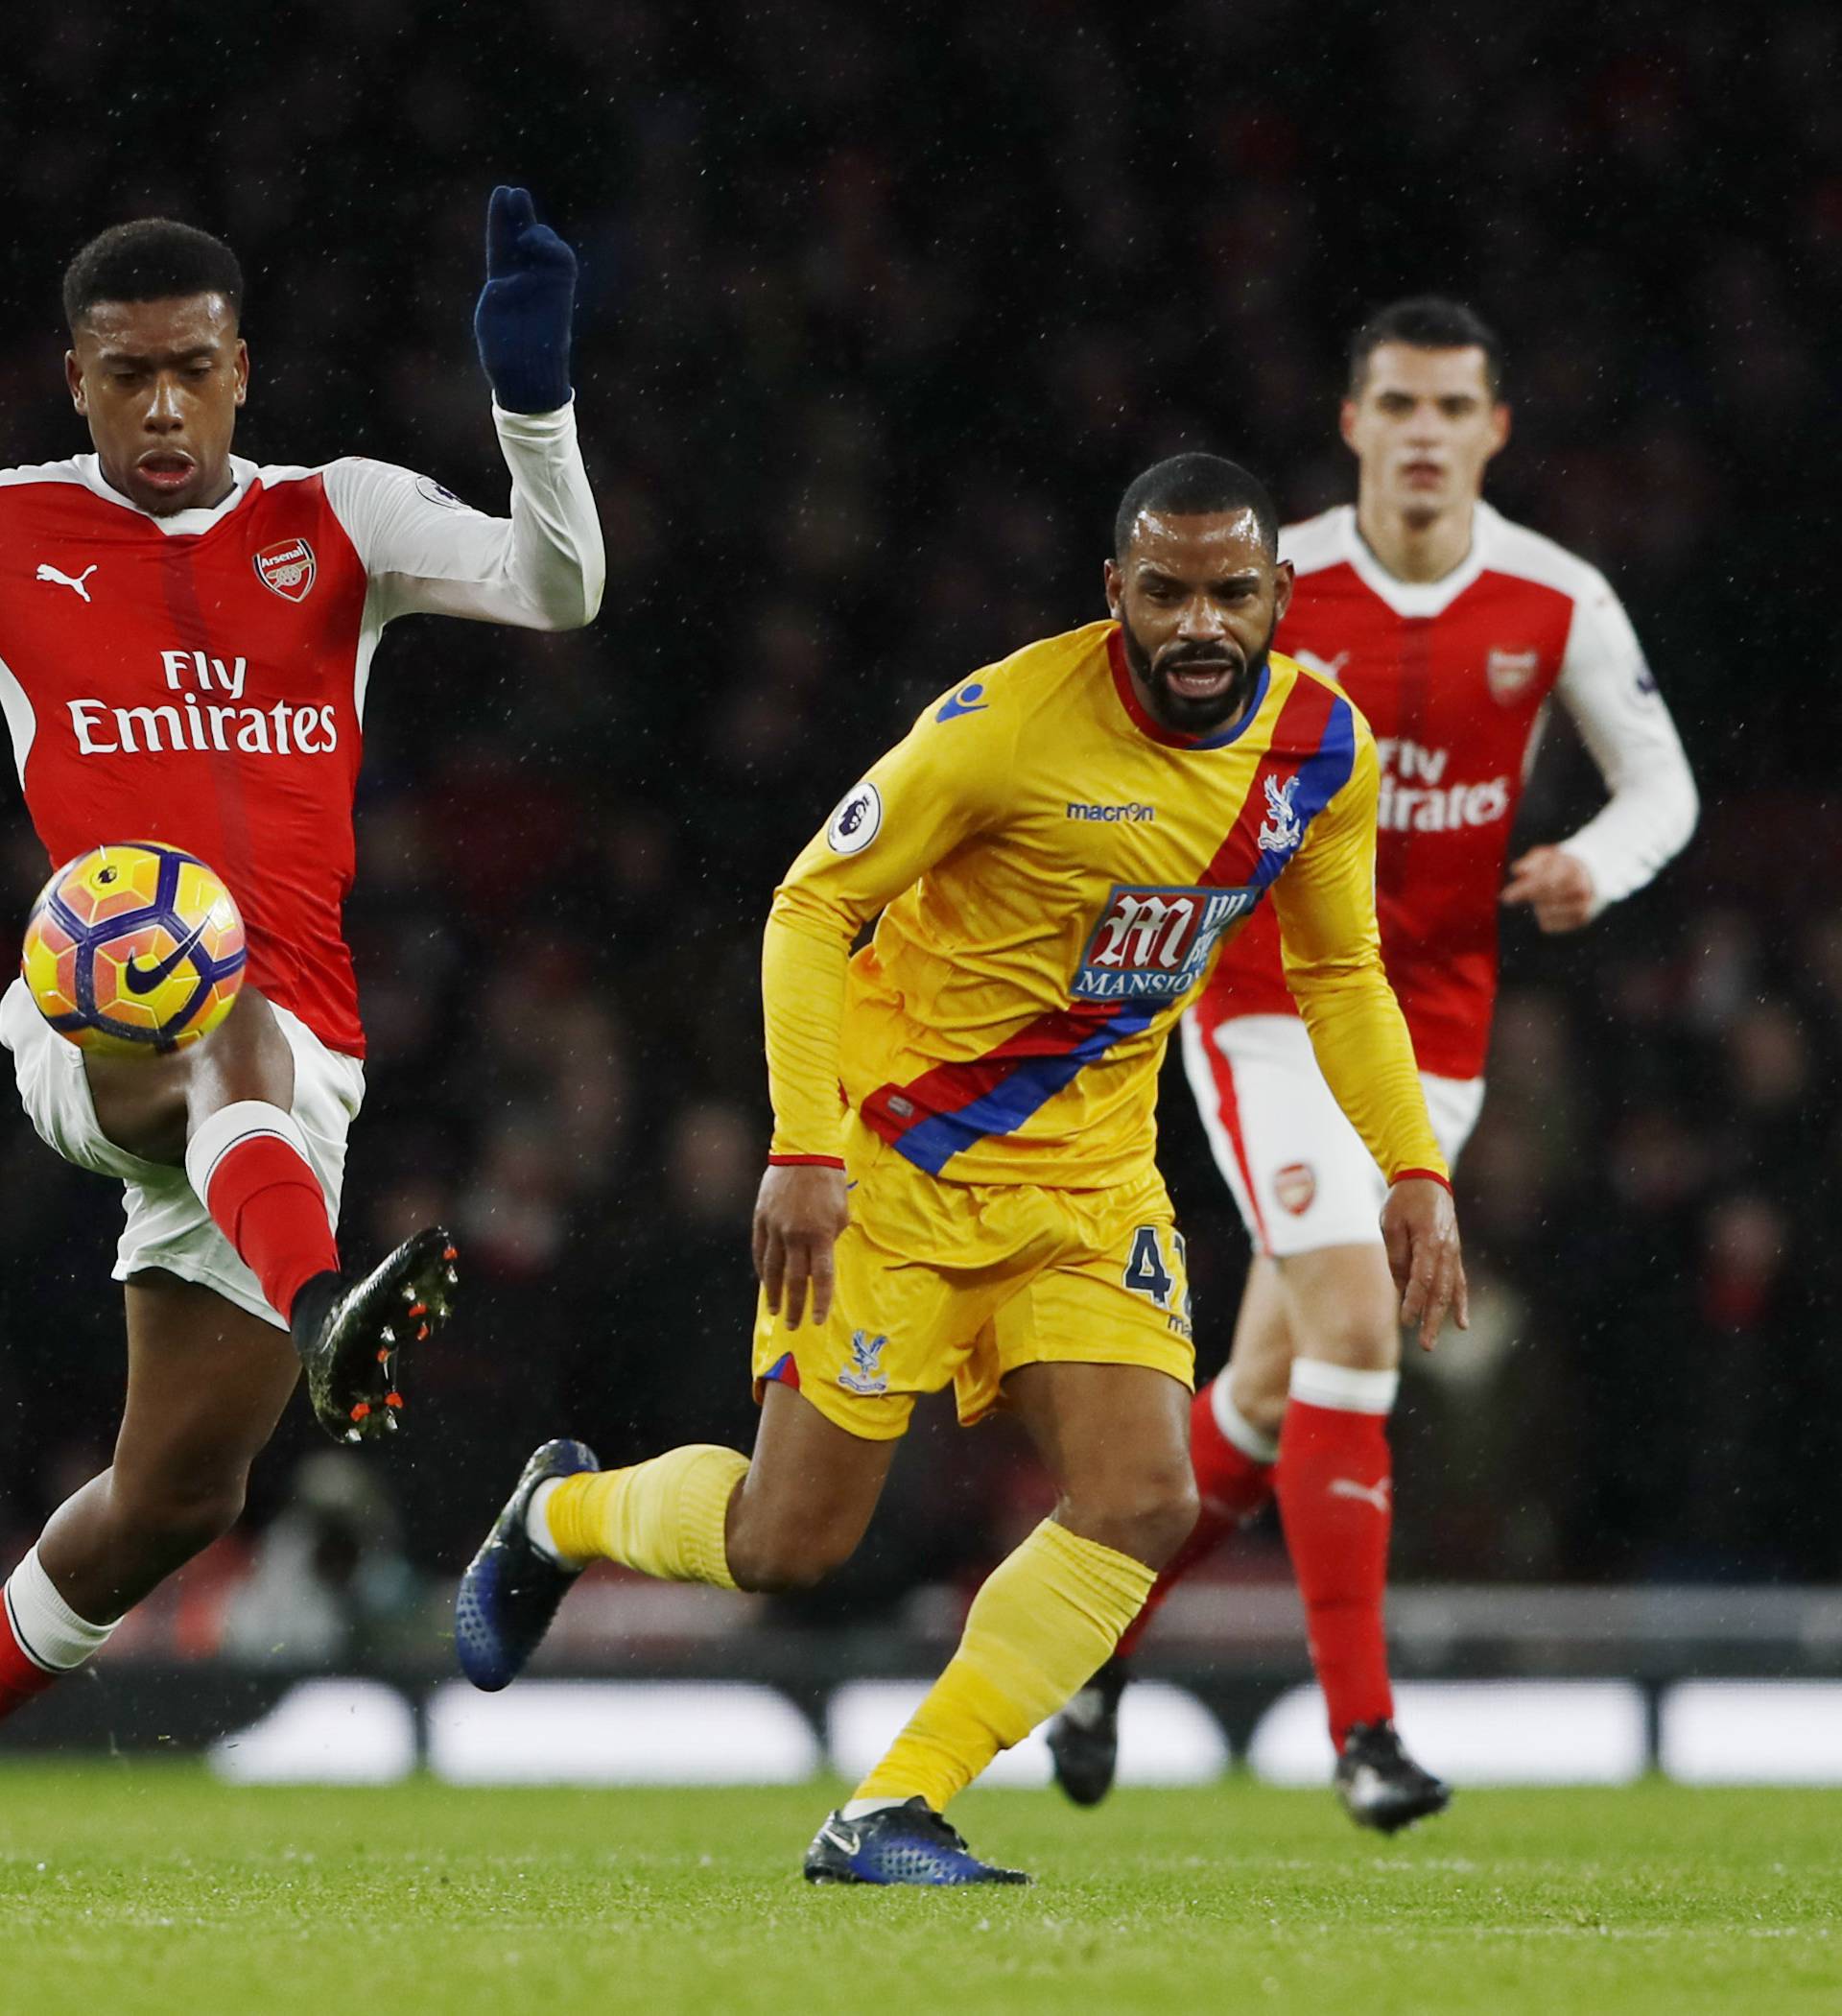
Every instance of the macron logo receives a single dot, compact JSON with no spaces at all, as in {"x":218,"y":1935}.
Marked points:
{"x":1137,"y":814}
{"x":48,"y":573}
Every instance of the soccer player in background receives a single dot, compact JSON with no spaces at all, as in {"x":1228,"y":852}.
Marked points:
{"x":1450,"y":628}
{"x":1056,"y":850}
{"x":185,"y":648}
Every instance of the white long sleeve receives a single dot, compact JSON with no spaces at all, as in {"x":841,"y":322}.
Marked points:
{"x":542,"y":568}
{"x":1606,"y":686}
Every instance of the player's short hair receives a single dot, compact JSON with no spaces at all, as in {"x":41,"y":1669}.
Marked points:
{"x":1191,"y":486}
{"x":1427,"y":321}
{"x":152,"y":259}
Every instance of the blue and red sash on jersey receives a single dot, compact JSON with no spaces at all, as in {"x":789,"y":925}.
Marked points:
{"x":948,"y":1108}
{"x":952,"y":1106}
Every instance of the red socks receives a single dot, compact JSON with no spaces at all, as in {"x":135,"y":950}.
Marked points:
{"x":21,"y":1678}
{"x":1334,"y":1484}
{"x":249,"y":1163}
{"x":1336,"y":1500}
{"x":1235,"y":1478}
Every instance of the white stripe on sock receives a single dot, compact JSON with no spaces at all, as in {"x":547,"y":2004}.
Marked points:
{"x":228,"y":1126}
{"x":50,"y":1633}
{"x":1343,"y":1388}
{"x":1236,"y":1428}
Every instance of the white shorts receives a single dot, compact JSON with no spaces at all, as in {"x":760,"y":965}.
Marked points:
{"x":168,"y":1225}
{"x":1297,"y":1168}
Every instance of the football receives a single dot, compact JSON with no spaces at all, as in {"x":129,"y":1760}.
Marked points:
{"x":135,"y":950}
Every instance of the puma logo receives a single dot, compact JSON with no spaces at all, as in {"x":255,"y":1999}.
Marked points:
{"x":47,"y":572}
{"x":1377,"y":1495}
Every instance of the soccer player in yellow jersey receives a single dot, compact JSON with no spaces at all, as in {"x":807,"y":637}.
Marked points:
{"x":1057,"y":851}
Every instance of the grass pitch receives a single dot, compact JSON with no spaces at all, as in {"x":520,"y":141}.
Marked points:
{"x":139,"y":1890}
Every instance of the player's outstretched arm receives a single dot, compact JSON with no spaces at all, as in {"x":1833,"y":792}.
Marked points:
{"x":1419,"y":1230}
{"x":544,"y":566}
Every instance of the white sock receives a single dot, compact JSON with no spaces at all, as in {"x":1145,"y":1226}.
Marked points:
{"x":858,"y":1809}
{"x":50,"y":1633}
{"x":242,"y":1121}
{"x":538,"y":1524}
{"x":1236,"y":1428}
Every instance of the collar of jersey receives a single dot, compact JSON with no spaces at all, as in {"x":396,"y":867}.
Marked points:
{"x":179,"y":524}
{"x":1173,"y":738}
{"x":1420,"y":598}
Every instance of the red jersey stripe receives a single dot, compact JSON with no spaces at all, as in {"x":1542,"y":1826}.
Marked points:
{"x":1304,"y":715}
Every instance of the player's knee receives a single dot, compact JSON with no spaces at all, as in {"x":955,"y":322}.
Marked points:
{"x":1147,"y":1517}
{"x":780,"y":1559}
{"x":1361,"y":1339}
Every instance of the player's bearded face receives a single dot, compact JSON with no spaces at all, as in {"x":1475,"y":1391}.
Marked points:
{"x":1196,"y":687}
{"x":159,"y":383}
{"x":1198,"y":600}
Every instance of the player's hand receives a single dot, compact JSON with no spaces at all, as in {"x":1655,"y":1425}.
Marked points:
{"x":521,"y":321}
{"x":1420,"y":1229}
{"x":801,"y":1209}
{"x":1555,"y":884}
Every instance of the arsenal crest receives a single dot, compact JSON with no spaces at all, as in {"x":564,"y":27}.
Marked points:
{"x":289,"y":569}
{"x":1295,"y":1186}
{"x":1508,"y":673}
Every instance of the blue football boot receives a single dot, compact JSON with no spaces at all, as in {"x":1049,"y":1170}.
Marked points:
{"x":908,"y":1843}
{"x":511,"y":1591}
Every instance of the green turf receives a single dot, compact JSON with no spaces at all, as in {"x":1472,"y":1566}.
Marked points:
{"x":135,"y":1890}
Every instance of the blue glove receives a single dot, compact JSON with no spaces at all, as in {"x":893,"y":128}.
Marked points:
{"x":521,"y":321}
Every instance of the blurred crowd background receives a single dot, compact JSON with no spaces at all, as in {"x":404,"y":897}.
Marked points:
{"x":880,"y":310}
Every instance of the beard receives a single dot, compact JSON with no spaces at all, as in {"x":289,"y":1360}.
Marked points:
{"x":1191,"y":713}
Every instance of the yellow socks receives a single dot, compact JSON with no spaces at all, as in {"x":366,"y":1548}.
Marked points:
{"x":1047,"y":1618}
{"x":664,"y":1517}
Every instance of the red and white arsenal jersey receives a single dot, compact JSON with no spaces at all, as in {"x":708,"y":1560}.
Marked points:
{"x":1452,"y":675}
{"x":200,"y":679}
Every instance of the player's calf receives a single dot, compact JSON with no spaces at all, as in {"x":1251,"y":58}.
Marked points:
{"x":1233,"y":1462}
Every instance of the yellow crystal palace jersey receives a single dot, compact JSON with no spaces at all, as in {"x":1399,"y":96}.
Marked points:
{"x":1056,"y":873}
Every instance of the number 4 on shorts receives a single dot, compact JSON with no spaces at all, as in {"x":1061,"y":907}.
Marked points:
{"x":1145,"y":1270}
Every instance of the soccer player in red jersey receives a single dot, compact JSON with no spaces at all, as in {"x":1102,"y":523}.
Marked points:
{"x":185,"y":648}
{"x":1450,"y":628}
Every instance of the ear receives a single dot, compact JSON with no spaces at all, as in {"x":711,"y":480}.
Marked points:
{"x":243,"y":370}
{"x":1283,"y":578}
{"x":1115,"y":588}
{"x":1346,"y":424}
{"x":73,"y":379}
{"x":1498,"y":426}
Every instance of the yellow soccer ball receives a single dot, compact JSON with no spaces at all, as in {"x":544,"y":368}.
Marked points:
{"x":135,"y":950}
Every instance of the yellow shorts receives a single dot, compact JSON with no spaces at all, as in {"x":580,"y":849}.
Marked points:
{"x":965,"y":1282}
